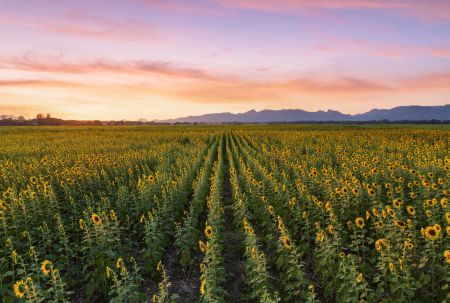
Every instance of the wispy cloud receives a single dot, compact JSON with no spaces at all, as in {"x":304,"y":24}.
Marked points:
{"x":85,"y":25}
{"x":429,"y":10}
{"x":56,"y":64}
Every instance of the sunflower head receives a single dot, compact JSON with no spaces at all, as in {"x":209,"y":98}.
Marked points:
{"x":46,"y":267}
{"x":287,"y":244}
{"x":359,"y":222}
{"x":159,"y":266}
{"x":331,"y":229}
{"x":96,"y":219}
{"x":208,"y":231}
{"x":20,"y":289}
{"x":119,"y":263}
{"x":432,"y":233}
{"x":409,"y":245}
{"x":202,"y":286}
{"x":202,"y":246}
{"x":400,"y":224}
{"x":359,"y":278}
{"x":411,"y":211}
{"x":447,"y":255}
{"x":391,"y":266}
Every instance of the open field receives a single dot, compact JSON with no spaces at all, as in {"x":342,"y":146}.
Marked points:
{"x":268,"y":213}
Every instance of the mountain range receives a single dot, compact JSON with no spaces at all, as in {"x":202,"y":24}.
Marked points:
{"x":401,"y":113}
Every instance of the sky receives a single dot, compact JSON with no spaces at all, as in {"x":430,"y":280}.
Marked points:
{"x":160,"y":59}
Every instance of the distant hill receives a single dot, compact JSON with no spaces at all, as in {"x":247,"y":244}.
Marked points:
{"x":401,"y":113}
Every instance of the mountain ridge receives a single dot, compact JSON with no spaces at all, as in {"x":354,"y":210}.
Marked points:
{"x":399,"y":113}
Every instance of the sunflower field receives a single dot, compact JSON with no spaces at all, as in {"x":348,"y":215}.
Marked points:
{"x":263,"y":213}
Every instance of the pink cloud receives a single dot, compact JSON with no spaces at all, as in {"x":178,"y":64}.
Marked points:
{"x":425,"y":10}
{"x":420,"y":9}
{"x":86,"y":25}
{"x":56,"y":64}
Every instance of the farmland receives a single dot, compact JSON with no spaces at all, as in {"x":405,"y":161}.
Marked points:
{"x":225,"y":214}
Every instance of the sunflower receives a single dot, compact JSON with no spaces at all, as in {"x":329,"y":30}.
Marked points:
{"x":20,"y":289}
{"x":410,"y":210}
{"x":390,"y":211}
{"x":391,"y":266}
{"x":397,"y":202}
{"x":375,"y":212}
{"x":159,"y":266}
{"x":447,"y":255}
{"x":202,"y":246}
{"x":202,"y":286}
{"x":444,"y":202}
{"x":151,"y":178}
{"x":378,"y":224}
{"x":281,"y":226}
{"x":208,"y":231}
{"x":447,"y":217}
{"x":286,"y":242}
{"x":359,"y":222}
{"x":331,"y":229}
{"x":119,"y":263}
{"x":46,"y":267}
{"x":409,"y":245}
{"x":437,"y":227}
{"x":112,"y":214}
{"x":320,"y":236}
{"x":429,"y":213}
{"x":96,"y":219}
{"x":359,"y":278}
{"x":380,"y":243}
{"x":371,"y":192}
{"x":270,"y":209}
{"x":432,"y":233}
{"x":400,"y":223}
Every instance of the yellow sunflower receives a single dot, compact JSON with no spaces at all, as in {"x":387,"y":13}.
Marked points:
{"x":391,"y":266}
{"x":208,"y":231}
{"x":359,"y":222}
{"x":378,"y":224}
{"x":408,"y":245}
{"x":46,"y":267}
{"x":447,"y":255}
{"x":399,"y":223}
{"x":286,"y":242}
{"x":397,"y":202}
{"x":202,"y":286}
{"x":96,"y":219}
{"x":119,"y":263}
{"x":432,"y":233}
{"x":359,"y":278}
{"x":202,"y":246}
{"x":411,"y":211}
{"x":331,"y":229}
{"x":20,"y":289}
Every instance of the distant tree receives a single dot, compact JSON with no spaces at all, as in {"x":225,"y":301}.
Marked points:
{"x":40,"y":116}
{"x":48,"y":116}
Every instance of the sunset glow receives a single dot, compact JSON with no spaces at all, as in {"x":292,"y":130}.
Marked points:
{"x":158,"y":59}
